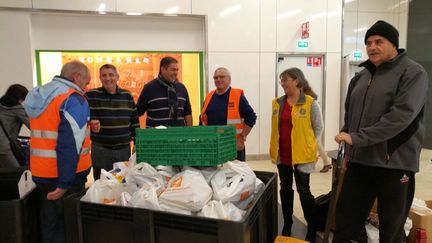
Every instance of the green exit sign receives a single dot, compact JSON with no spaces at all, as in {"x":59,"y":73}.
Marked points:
{"x":302,"y":44}
{"x":357,"y":54}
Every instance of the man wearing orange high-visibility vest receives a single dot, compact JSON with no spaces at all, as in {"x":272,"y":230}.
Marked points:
{"x":228,"y":106}
{"x":59,"y":144}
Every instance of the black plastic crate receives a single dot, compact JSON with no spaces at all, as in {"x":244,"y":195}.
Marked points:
{"x":19,"y":217}
{"x":97,"y":223}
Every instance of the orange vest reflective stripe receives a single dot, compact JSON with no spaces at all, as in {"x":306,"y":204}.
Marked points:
{"x":233,"y":112}
{"x":43,"y":141}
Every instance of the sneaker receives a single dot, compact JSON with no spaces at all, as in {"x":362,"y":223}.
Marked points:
{"x":326,"y":168}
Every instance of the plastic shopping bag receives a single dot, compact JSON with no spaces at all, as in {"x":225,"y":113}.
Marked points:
{"x":259,"y":186}
{"x":219,"y":210}
{"x":167,"y":172}
{"x":372,"y":233}
{"x":234,"y":182}
{"x":146,"y":197}
{"x":132,"y":160}
{"x":125,"y":197}
{"x":120,"y":170}
{"x":174,"y":209}
{"x":25,"y":184}
{"x":187,"y":190}
{"x":140,"y":175}
{"x":106,"y":190}
{"x":209,"y":172}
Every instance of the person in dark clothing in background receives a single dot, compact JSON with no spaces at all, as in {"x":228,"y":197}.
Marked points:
{"x":383,"y":133}
{"x":228,"y":106}
{"x":165,"y":99}
{"x":12,"y":116}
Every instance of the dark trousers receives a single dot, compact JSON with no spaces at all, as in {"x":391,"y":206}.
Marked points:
{"x":394,"y":190}
{"x":51,"y":213}
{"x":307,"y":201}
{"x":103,"y":158}
{"x":241,"y":155}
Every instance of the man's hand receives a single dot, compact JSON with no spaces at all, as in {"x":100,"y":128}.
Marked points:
{"x":94,"y":125}
{"x":56,"y":194}
{"x":343,"y":137}
{"x":240,"y":142}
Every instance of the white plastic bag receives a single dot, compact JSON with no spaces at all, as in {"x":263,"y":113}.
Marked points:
{"x":125,"y":197}
{"x":420,"y":207}
{"x":259,"y":186}
{"x":120,"y":170}
{"x":246,"y":203}
{"x":209,"y":172}
{"x":407,"y":226}
{"x":140,"y":175}
{"x":187,"y":190}
{"x":234,"y":182}
{"x":106,"y":190}
{"x":167,"y":172}
{"x":25,"y":184}
{"x":132,"y":160}
{"x":146,"y":197}
{"x":372,"y":233}
{"x":219,"y":210}
{"x":174,"y":209}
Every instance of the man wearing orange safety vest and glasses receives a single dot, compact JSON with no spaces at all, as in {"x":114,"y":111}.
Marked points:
{"x":228,"y":106}
{"x":59,"y":143}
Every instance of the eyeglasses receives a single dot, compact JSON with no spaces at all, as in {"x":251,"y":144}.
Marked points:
{"x":219,"y":77}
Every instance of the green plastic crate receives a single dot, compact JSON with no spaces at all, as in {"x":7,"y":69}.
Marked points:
{"x":194,"y":146}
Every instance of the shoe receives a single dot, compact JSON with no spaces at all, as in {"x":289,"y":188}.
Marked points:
{"x":311,"y":236}
{"x":326,"y":168}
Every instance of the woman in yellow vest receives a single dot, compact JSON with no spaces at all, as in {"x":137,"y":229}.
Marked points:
{"x":296,"y":123}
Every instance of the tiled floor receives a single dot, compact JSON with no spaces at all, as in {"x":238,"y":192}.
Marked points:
{"x":321,"y":182}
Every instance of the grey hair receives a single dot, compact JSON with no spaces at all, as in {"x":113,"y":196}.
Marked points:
{"x":70,"y":68}
{"x":225,"y":70}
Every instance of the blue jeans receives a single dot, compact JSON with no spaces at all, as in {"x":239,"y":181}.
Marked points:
{"x":103,"y":158}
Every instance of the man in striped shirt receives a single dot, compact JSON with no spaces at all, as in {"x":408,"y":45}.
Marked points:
{"x":165,"y":99}
{"x":115,"y":109}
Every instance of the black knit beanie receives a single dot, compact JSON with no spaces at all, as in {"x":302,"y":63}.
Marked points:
{"x":385,"y":30}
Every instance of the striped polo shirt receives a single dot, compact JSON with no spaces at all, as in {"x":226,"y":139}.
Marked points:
{"x":117,"y":115}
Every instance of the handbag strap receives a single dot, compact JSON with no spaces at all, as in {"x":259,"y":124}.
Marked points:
{"x":5,"y":132}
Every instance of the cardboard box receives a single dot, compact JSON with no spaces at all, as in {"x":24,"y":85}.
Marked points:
{"x":421,"y":220}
